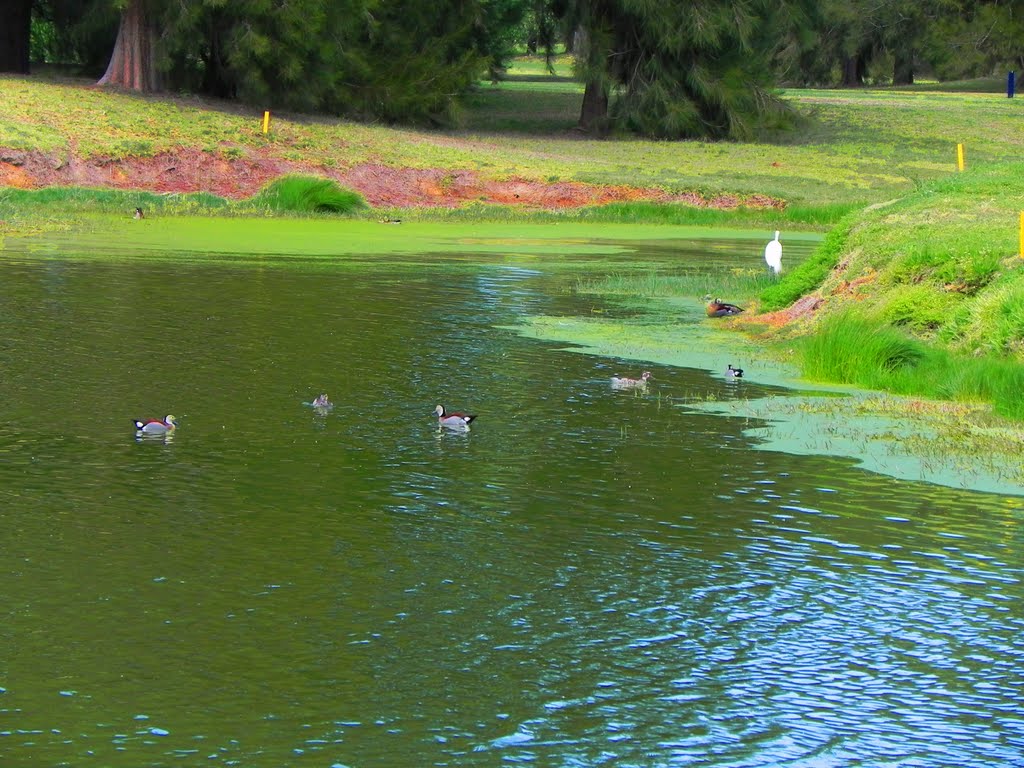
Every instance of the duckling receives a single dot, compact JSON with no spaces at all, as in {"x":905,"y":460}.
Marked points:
{"x":733,"y":373}
{"x":719,"y":308}
{"x":624,"y":382}
{"x":454,"y":420}
{"x":156,"y":426}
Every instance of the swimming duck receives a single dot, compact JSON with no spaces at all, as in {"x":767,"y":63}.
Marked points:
{"x":719,"y":308}
{"x":455,"y":420}
{"x":322,"y":401}
{"x":139,"y":214}
{"x":733,"y":373}
{"x":156,"y":426}
{"x":624,"y":382}
{"x":773,"y":254}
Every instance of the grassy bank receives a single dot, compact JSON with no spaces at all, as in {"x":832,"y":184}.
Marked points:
{"x":851,"y":147}
{"x":924,"y":295}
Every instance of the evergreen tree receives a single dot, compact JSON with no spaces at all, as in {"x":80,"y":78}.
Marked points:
{"x":400,"y":60}
{"x":677,"y":68}
{"x":975,"y":39}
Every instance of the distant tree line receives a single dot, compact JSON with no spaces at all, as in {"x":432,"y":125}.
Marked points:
{"x":663,"y":68}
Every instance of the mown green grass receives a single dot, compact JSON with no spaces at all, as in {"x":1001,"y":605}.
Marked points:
{"x":851,"y":147}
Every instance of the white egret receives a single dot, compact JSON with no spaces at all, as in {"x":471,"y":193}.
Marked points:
{"x":773,"y":254}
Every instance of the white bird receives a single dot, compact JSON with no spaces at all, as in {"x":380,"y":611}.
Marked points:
{"x":773,"y":254}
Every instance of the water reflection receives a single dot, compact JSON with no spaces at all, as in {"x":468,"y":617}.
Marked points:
{"x":588,"y":576}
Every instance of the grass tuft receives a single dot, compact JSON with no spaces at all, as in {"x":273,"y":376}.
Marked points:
{"x":849,"y":348}
{"x":308,"y":194}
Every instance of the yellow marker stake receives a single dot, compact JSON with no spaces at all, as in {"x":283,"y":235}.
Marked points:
{"x":266,"y":122}
{"x":1022,"y":234}
{"x":959,"y":157}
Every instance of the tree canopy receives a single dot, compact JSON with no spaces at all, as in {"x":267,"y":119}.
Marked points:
{"x":671,"y":68}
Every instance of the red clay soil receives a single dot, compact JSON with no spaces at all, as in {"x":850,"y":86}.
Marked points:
{"x":191,"y":170}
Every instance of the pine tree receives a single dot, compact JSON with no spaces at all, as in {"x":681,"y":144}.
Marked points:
{"x":676,"y":68}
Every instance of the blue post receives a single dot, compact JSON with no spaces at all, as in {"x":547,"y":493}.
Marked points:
{"x":1009,"y":85}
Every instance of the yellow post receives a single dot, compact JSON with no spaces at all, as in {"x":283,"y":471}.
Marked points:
{"x":1021,"y":234}
{"x":266,"y":121}
{"x":959,"y":157}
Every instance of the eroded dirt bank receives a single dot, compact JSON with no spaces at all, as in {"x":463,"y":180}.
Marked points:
{"x":192,"y":170}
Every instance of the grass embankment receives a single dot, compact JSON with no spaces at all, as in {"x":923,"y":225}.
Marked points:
{"x":850,"y":147}
{"x":924,"y":295}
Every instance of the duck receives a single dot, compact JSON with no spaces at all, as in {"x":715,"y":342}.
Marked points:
{"x":773,"y":254}
{"x":624,"y":382}
{"x":322,"y":401}
{"x":733,"y":373}
{"x":719,"y":308}
{"x":454,"y":420}
{"x":139,"y":214}
{"x":156,"y":426}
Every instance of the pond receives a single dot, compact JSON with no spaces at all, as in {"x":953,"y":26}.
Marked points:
{"x":587,"y":576}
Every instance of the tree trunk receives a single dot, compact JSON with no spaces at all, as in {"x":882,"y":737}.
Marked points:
{"x":15,"y":32}
{"x":853,"y":72}
{"x":903,"y":70}
{"x":132,"y":63}
{"x":594,"y":114}
{"x":217,"y":80}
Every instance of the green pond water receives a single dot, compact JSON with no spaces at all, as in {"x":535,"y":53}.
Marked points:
{"x":587,"y":577}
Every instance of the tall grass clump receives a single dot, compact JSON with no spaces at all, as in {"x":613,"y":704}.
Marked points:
{"x":850,"y":349}
{"x":993,"y":322}
{"x":308,"y":194}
